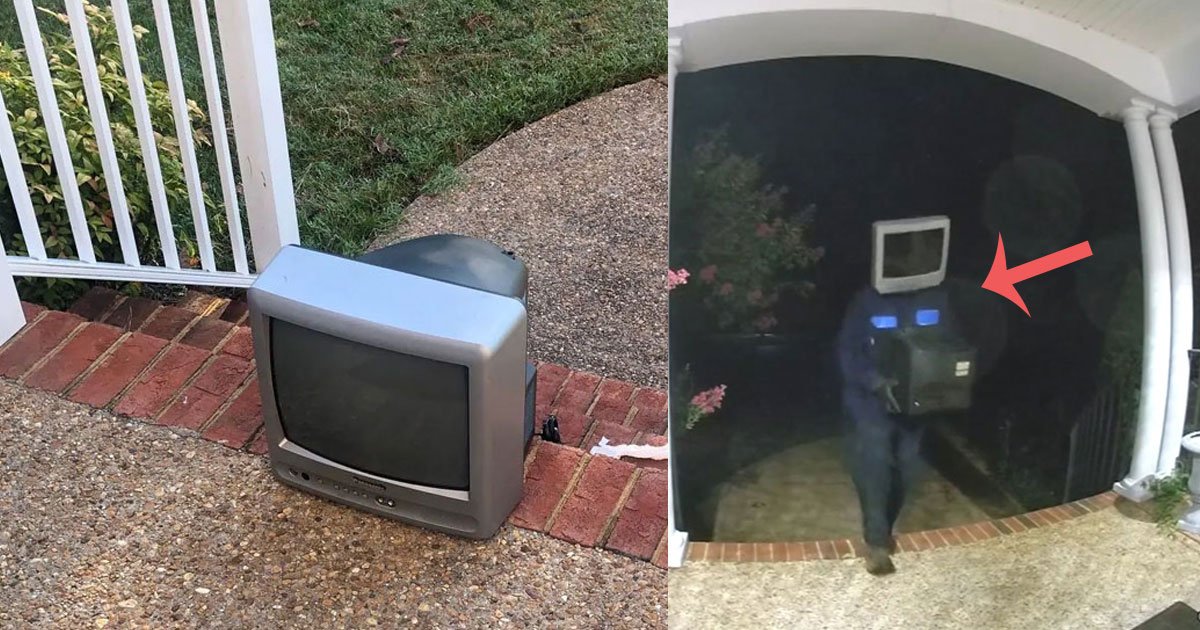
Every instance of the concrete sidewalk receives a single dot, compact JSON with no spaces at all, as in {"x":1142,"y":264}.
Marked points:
{"x":1107,"y":570}
{"x":581,"y":197}
{"x":109,"y":522}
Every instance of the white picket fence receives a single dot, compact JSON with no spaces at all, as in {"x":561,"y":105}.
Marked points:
{"x":252,"y":83}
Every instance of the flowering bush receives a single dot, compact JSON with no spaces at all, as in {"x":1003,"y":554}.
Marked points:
{"x":704,"y":404}
{"x":707,"y":401}
{"x":676,"y":278}
{"x":748,"y":249}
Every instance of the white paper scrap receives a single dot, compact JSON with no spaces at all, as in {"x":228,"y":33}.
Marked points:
{"x":640,"y":451}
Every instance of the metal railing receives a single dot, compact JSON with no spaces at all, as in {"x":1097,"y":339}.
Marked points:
{"x":251,"y":79}
{"x":1099,"y":446}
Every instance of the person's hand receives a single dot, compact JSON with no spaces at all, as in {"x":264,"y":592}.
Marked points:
{"x":882,"y":385}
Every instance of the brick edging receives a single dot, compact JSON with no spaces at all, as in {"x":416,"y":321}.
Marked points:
{"x":845,"y":548}
{"x":170,"y":366}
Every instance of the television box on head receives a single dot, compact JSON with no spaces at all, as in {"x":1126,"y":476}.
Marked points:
{"x":398,"y":383}
{"x":915,"y":340}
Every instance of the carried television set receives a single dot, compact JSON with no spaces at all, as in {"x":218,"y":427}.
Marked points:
{"x":915,"y":341}
{"x":398,"y":383}
{"x":909,"y":254}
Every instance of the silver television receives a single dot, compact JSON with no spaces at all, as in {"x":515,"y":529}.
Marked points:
{"x":909,"y":254}
{"x":399,"y":394}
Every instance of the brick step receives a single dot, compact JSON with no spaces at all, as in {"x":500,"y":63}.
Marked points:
{"x":101,"y":304}
{"x":909,"y":542}
{"x":172,"y":366}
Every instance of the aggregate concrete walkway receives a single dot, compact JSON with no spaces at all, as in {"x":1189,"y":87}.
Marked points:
{"x":1106,"y":570}
{"x":772,"y":500}
{"x":581,"y":197}
{"x":108,"y":522}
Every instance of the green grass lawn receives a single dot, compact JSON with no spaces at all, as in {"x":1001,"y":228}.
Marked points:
{"x":371,"y":128}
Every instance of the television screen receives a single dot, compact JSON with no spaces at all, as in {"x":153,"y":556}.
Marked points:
{"x":913,"y":253}
{"x":394,"y":415}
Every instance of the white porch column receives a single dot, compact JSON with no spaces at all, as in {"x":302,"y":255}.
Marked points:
{"x":676,"y":540}
{"x":1181,"y":289}
{"x":1156,"y":280}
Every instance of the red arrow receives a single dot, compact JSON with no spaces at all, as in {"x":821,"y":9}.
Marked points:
{"x":1001,"y":279}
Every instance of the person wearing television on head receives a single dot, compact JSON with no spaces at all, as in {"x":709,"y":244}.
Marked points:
{"x":884,"y":431}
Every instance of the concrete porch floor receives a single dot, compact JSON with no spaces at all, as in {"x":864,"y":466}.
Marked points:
{"x":1111,"y":569}
{"x":805,"y":493}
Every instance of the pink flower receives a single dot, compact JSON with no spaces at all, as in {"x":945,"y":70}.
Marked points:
{"x":725,"y":289}
{"x":709,"y":400}
{"x":708,"y":274}
{"x":676,"y":278}
{"x":763,"y":230}
{"x":754,"y":297}
{"x":765,"y":322}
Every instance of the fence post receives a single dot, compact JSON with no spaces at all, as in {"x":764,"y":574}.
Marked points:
{"x":12,"y":316}
{"x":252,"y":78}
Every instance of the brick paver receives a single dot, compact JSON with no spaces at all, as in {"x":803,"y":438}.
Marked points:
{"x":72,"y":359}
{"x":35,"y":342}
{"x":211,"y":389}
{"x":643,"y":518}
{"x":241,"y":420}
{"x":547,"y":479}
{"x":168,"y":322}
{"x":160,"y":384}
{"x":118,"y":370}
{"x":590,"y":507}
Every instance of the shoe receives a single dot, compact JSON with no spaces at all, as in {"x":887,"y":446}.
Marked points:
{"x":879,"y":561}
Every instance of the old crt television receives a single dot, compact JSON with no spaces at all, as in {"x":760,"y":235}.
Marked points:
{"x":398,"y":383}
{"x":916,"y":343}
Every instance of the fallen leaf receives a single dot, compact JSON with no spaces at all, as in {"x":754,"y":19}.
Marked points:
{"x":381,"y":145}
{"x":398,"y":45}
{"x":307,"y":22}
{"x":477,"y":21}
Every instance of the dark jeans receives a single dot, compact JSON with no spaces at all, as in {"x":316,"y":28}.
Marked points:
{"x":885,"y":458}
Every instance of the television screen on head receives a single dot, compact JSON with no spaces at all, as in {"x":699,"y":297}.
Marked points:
{"x":396,"y":393}
{"x":909,"y":254}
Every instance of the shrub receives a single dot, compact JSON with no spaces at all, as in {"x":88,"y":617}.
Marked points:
{"x":748,"y":250}
{"x":1170,"y":497}
{"x":16,"y":84}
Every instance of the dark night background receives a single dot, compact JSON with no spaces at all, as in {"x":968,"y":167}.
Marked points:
{"x":865,"y":139}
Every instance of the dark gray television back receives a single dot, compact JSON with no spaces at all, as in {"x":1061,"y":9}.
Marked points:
{"x":395,"y":393}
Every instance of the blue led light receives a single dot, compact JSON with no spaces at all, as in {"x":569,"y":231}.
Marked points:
{"x":884,"y":321}
{"x":928,"y":316}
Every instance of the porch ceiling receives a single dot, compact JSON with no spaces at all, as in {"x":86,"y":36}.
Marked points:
{"x":1097,"y":53}
{"x":1156,"y":26}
